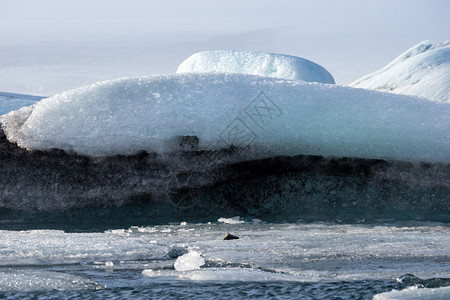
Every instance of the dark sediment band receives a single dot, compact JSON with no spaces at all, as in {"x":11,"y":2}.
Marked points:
{"x":66,"y":188}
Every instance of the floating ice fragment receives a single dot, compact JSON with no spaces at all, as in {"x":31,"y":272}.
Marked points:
{"x":257,"y":221}
{"x":236,"y":274}
{"x":148,"y":272}
{"x":415,"y":293}
{"x":109,"y":264}
{"x":233,"y":220}
{"x":189,"y":261}
{"x":116,"y":231}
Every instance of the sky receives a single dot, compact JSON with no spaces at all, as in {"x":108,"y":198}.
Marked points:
{"x":49,"y":46}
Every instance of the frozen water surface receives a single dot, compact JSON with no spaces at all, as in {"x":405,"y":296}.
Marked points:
{"x":317,"y":259}
{"x":57,"y":247}
{"x":13,"y":280}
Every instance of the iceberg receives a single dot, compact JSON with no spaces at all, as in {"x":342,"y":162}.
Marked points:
{"x":423,"y":70}
{"x":195,"y":147}
{"x":256,"y":63}
{"x":216,"y":110}
{"x":10,"y":101}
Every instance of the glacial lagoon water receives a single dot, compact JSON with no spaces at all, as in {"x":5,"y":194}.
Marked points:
{"x":318,"y":260}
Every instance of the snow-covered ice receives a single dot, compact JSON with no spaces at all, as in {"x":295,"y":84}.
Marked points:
{"x":282,"y":117}
{"x":423,"y":70}
{"x":256,"y":63}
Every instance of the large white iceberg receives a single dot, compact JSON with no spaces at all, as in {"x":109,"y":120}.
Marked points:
{"x":282,"y":117}
{"x":255,"y":63}
{"x":423,"y":70}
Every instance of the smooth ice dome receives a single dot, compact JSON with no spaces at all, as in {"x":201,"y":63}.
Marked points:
{"x":189,"y":261}
{"x":255,"y":63}
{"x":423,"y":70}
{"x":277,"y":117}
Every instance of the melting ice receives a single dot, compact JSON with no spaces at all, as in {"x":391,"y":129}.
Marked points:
{"x":317,"y":254}
{"x":128,"y":115}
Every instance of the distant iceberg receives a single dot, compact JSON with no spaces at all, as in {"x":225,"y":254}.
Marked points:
{"x":423,"y":70}
{"x":10,"y":101}
{"x":217,"y":110}
{"x":256,"y":63}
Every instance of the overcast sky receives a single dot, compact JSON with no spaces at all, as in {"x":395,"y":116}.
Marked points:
{"x":48,"y":46}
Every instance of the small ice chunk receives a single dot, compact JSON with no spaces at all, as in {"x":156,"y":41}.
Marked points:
{"x":414,"y":292}
{"x":148,"y":272}
{"x":109,"y":264}
{"x":116,"y":231}
{"x":233,"y":220}
{"x":189,"y":261}
{"x":236,"y":274}
{"x":257,"y":221}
